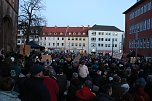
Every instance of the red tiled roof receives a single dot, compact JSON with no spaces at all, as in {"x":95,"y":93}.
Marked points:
{"x":56,"y":31}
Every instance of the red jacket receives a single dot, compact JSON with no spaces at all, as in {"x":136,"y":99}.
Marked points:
{"x":85,"y":94}
{"x":52,"y":86}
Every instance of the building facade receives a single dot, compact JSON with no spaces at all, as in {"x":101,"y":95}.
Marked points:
{"x":8,"y":24}
{"x":73,"y":39}
{"x":105,"y":39}
{"x":35,"y":32}
{"x":138,"y":28}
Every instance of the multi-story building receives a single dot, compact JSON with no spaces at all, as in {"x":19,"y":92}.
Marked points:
{"x":8,"y":24}
{"x":35,"y":32}
{"x":138,"y":28}
{"x":72,"y":39}
{"x":105,"y":39}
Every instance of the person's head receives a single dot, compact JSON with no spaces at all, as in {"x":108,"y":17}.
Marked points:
{"x":36,"y":70}
{"x":88,"y":83}
{"x":7,"y":84}
{"x":107,"y":89}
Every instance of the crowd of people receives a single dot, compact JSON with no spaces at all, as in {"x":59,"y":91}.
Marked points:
{"x":63,"y":78}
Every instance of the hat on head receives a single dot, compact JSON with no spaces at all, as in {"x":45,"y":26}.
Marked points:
{"x":125,"y":88}
{"x":141,"y":82}
{"x":36,"y":68}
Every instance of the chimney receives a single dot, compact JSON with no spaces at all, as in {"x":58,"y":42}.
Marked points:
{"x":55,"y":26}
{"x":88,"y":26}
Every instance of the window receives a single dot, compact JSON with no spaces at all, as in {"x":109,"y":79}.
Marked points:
{"x":141,"y":10}
{"x":115,"y":39}
{"x":72,"y":38}
{"x":79,"y":44}
{"x":148,"y":43}
{"x":68,"y":38}
{"x":145,"y":25}
{"x":58,"y":38}
{"x":76,"y":38}
{"x":148,"y":24}
{"x":93,"y":33}
{"x":83,"y":44}
{"x":44,"y":38}
{"x":80,"y":39}
{"x":49,"y":44}
{"x":69,"y":33}
{"x":98,"y":45}
{"x":149,"y":6}
{"x":108,"y":45}
{"x":53,"y":44}
{"x":145,"y":8}
{"x":93,"y":39}
{"x":57,"y":44}
{"x":72,"y":44}
{"x":101,"y":45}
{"x":61,"y":33}
{"x":140,"y":43}
{"x":76,"y":44}
{"x":93,"y":45}
{"x":84,"y":33}
{"x":74,"y":33}
{"x":83,"y":39}
{"x":108,"y":39}
{"x":115,"y":45}
{"x":62,"y":44}
{"x":102,"y":33}
{"x":44,"y":44}
{"x":62,"y":38}
{"x":36,"y":31}
{"x":79,"y":33}
{"x":99,"y":33}
{"x":18,"y":41}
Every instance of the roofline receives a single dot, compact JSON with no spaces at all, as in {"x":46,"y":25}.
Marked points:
{"x":106,"y":30}
{"x":135,"y":5}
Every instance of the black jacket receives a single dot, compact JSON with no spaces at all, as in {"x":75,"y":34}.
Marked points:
{"x":33,"y":89}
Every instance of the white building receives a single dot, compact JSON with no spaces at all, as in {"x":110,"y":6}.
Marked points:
{"x":74,"y":39}
{"x":34,"y":35}
{"x":101,"y":39}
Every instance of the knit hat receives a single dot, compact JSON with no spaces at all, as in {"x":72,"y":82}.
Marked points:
{"x":75,"y":75}
{"x":36,"y":68}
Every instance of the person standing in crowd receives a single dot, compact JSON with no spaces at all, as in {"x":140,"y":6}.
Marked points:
{"x":140,"y":94}
{"x":6,"y":90}
{"x":148,"y":87}
{"x":83,"y":71}
{"x":33,"y":88}
{"x":125,"y":95}
{"x":85,"y":93}
{"x":51,"y":85}
{"x":106,"y":93}
{"x":116,"y":87}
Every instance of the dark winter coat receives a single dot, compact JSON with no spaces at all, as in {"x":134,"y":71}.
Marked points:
{"x":33,"y":89}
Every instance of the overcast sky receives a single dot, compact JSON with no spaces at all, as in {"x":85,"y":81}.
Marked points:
{"x":86,"y":12}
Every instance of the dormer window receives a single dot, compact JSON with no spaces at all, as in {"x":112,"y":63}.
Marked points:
{"x":84,"y":33}
{"x":50,"y":33}
{"x":79,"y":33}
{"x":74,"y":33}
{"x":69,"y":33}
{"x":61,"y":33}
{"x":43,"y":33}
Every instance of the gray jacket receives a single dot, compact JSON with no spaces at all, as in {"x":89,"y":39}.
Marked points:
{"x":9,"y":96}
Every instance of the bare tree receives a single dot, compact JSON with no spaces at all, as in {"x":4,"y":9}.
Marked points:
{"x":30,"y":15}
